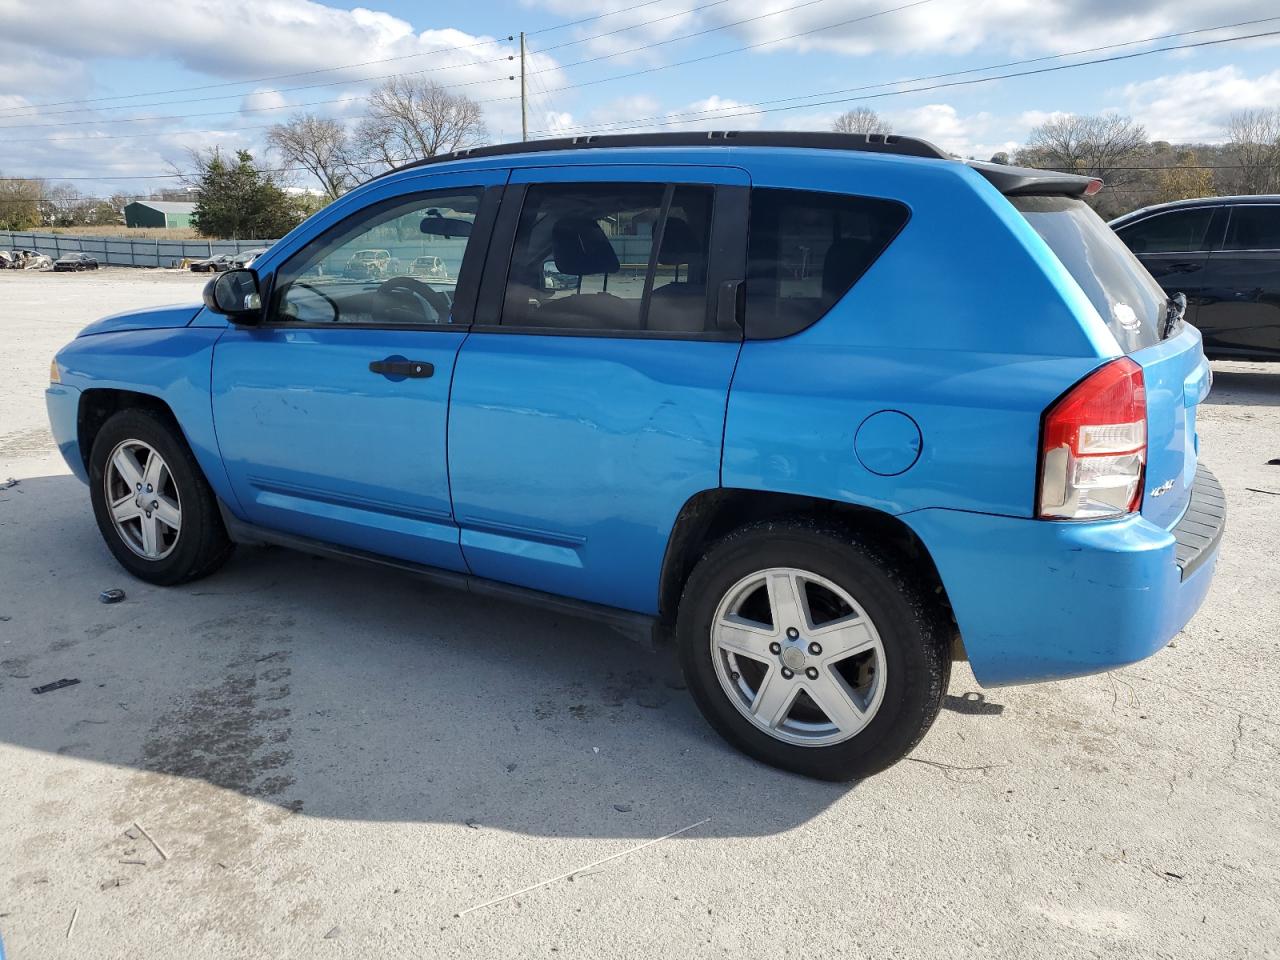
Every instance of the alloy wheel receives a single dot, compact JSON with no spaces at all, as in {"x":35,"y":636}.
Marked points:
{"x":143,"y":499}
{"x":798,"y":656}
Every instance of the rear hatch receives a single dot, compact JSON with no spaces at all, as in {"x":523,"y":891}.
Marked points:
{"x":1150,"y":331}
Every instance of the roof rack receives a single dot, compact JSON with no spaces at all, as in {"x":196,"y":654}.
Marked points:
{"x":862,"y":142}
{"x":1012,"y":181}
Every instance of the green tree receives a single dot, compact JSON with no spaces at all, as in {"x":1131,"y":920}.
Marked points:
{"x":236,"y":199}
{"x":20,"y":204}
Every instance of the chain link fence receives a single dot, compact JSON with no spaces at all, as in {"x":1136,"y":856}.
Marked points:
{"x":125,"y":251}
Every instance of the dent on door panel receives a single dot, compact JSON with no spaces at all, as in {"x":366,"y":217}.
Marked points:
{"x":570,"y":457}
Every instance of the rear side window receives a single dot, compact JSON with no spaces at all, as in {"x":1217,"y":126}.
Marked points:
{"x":1179,"y":231}
{"x":1130,"y":302}
{"x":611,"y":258}
{"x":1254,"y":228}
{"x":805,"y":250}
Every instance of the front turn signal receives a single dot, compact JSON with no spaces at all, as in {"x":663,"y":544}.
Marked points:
{"x":55,"y":375}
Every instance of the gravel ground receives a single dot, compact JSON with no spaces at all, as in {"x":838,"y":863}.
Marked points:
{"x":337,"y":761}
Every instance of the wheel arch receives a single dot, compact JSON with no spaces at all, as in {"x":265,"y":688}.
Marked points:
{"x":711,"y":514}
{"x":99,"y":404}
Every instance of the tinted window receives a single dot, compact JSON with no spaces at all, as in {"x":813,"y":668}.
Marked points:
{"x":625,"y":257}
{"x":1129,"y":301}
{"x":396,"y":263}
{"x":805,"y":250}
{"x":1179,"y":231}
{"x":1254,"y":228}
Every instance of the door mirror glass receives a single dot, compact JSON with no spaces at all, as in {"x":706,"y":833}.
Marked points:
{"x":235,"y":295}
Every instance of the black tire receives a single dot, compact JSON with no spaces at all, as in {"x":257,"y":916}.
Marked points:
{"x":912,"y":630}
{"x":202,"y":545}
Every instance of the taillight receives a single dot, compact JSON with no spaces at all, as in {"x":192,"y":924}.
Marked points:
{"x":1094,"y":446}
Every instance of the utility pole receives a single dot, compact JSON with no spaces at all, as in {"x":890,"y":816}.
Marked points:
{"x":524,"y":100}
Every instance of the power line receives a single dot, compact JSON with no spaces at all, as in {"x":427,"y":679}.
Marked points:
{"x":278,"y":76}
{"x":720,"y":115}
{"x":935,"y":76}
{"x":678,"y":118}
{"x":383,"y":76}
{"x":722,"y":53}
{"x":345,"y":66}
{"x":353,"y":80}
{"x":468,"y":83}
{"x":700,"y":33}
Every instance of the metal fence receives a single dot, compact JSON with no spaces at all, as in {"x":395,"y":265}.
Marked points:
{"x":125,"y":251}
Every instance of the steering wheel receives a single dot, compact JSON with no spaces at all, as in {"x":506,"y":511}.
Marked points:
{"x":320,"y":293}
{"x":401,"y":290}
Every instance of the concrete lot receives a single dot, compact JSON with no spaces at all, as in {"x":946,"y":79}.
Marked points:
{"x":337,"y":762}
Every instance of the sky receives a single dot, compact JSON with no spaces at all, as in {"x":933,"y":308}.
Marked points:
{"x":115,"y":94}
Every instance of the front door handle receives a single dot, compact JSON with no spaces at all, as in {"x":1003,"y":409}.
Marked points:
{"x":397,"y":367}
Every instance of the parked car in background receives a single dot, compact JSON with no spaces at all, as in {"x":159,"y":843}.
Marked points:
{"x":965,"y":427}
{"x":432,"y":267}
{"x":245,"y":258}
{"x":215,"y":264}
{"x":75,"y":262}
{"x":1223,"y":253}
{"x":366,"y":264}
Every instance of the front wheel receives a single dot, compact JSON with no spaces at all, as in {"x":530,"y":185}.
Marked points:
{"x":811,"y":651}
{"x":153,"y":505}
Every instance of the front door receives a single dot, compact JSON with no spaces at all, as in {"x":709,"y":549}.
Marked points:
{"x":331,"y":416}
{"x":589,"y":401}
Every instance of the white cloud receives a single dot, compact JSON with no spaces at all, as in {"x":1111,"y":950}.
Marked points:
{"x":1195,"y":106}
{"x":42,"y":60}
{"x":263,"y":99}
{"x":861,"y":27}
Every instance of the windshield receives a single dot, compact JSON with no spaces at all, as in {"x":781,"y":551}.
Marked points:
{"x":1119,"y":286}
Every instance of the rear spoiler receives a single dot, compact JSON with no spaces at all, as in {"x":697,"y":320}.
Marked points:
{"x":1027,"y":181}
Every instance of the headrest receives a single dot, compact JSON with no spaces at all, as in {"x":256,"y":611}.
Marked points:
{"x":679,"y":245}
{"x":581,"y":249}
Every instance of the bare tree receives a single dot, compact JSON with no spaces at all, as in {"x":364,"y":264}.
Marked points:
{"x":1186,"y":180}
{"x":860,"y":120}
{"x":411,"y":119}
{"x":320,"y":146}
{"x":1254,"y":145}
{"x":1100,"y":146}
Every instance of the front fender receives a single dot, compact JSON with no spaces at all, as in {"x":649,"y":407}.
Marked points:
{"x":172,"y":365}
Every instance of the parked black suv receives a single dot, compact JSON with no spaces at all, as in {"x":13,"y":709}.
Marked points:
{"x":1224,"y":254}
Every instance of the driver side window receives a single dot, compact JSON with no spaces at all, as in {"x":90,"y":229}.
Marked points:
{"x":395,"y":263}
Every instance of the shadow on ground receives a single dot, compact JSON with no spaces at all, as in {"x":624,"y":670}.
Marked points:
{"x":1259,"y":388}
{"x":349,"y":692}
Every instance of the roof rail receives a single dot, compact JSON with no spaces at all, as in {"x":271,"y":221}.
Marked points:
{"x":862,"y":142}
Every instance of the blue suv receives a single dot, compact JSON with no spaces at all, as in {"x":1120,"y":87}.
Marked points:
{"x":826,"y":410}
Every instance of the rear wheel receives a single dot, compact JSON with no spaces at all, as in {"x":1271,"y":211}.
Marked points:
{"x":811,"y":651}
{"x":153,"y":506}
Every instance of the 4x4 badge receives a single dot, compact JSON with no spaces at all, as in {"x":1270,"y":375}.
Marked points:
{"x":1161,"y":490}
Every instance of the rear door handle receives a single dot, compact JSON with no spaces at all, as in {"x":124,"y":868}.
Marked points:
{"x":397,"y":367}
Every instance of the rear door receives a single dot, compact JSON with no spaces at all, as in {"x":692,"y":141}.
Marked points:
{"x":589,"y":400}
{"x":1241,"y":314}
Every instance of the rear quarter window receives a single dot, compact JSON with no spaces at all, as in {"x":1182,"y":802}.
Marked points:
{"x":806,"y":249}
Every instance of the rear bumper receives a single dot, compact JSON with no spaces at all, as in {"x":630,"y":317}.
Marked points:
{"x":63,"y":404}
{"x":1039,"y":600}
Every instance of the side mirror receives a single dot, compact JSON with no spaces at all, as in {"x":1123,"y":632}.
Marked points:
{"x":234,"y":294}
